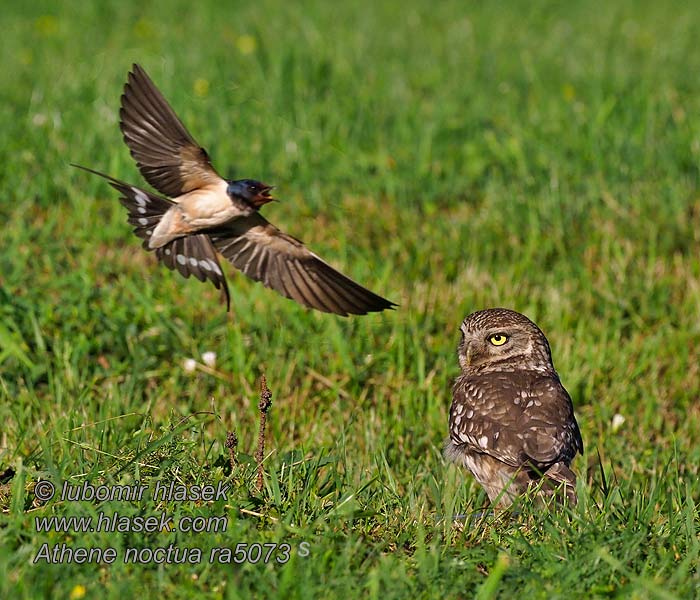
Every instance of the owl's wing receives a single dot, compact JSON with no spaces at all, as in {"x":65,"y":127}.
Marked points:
{"x":552,"y":433}
{"x":518,"y":418}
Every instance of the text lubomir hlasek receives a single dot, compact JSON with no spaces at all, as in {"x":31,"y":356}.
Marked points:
{"x":162,"y":492}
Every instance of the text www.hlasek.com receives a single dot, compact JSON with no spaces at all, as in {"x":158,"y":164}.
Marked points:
{"x":131,"y":524}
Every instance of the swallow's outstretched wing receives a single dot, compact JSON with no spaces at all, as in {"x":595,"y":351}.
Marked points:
{"x":166,"y":154}
{"x":281,"y":262}
{"x":189,"y":255}
{"x":195,"y":255}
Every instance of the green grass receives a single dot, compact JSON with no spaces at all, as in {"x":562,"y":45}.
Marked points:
{"x":540,"y":156}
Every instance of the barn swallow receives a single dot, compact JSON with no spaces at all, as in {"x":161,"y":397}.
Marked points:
{"x":200,"y":213}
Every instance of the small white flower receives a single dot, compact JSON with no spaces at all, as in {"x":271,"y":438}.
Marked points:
{"x":617,"y":422}
{"x":190,"y":365}
{"x":209,"y":359}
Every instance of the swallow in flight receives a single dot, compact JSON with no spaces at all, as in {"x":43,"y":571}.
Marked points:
{"x":204,"y":213}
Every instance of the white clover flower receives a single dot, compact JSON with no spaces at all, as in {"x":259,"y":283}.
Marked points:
{"x":209,"y":358}
{"x":190,"y":365}
{"x":617,"y":422}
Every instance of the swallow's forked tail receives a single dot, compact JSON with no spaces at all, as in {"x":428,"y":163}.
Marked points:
{"x":189,"y":255}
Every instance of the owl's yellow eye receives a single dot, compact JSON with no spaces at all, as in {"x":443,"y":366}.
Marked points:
{"x":498,"y":339}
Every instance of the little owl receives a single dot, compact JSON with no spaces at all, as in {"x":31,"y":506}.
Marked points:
{"x":512,"y":423}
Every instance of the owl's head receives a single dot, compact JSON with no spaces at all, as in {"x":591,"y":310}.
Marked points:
{"x":498,"y":339}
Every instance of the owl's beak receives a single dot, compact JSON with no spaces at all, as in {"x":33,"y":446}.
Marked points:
{"x":469,"y":354}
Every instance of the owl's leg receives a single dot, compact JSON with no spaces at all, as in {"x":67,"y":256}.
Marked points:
{"x":558,"y":482}
{"x":565,"y":480}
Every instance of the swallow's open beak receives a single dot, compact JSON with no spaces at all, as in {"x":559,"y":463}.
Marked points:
{"x":263,"y":197}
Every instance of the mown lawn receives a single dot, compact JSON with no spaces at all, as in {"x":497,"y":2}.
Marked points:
{"x":536,"y":155}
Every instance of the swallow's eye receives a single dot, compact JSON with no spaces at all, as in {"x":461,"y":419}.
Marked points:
{"x":498,"y":339}
{"x":251,"y":188}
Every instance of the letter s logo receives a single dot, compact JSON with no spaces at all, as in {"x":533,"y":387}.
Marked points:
{"x":304,"y":550}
